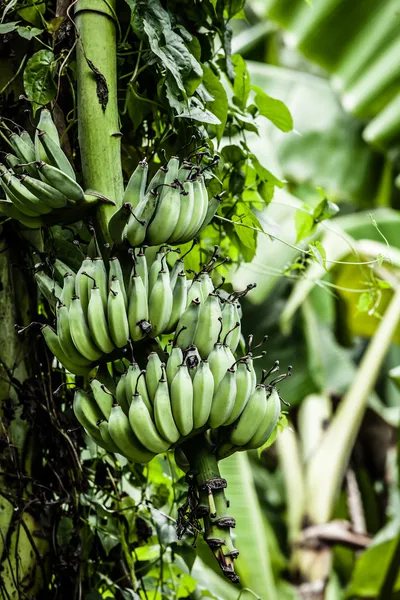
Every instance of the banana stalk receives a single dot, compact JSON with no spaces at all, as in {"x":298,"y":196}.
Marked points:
{"x":213,"y":504}
{"x":99,"y":135}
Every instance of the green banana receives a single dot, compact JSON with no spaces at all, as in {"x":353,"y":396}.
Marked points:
{"x":65,"y":338}
{"x":219,"y":363}
{"x":124,"y":438}
{"x":55,"y":154}
{"x":141,"y":268}
{"x":207,"y":334}
{"x":61,"y":182}
{"x":228,"y":321}
{"x":48,"y":195}
{"x":80,"y":331}
{"x":61,"y":269}
{"x":23,"y":199}
{"x":249,"y":421}
{"x":8,"y":209}
{"x":178,"y":267}
{"x":25,"y":151}
{"x":136,"y":383}
{"x":118,"y":223}
{"x":153,"y":374}
{"x":187,"y":325}
{"x":179,"y":301}
{"x":182,"y":400}
{"x":156,"y":267}
{"x":143,"y":426}
{"x":207,"y":286}
{"x":163,"y":412}
{"x":195,"y":291}
{"x":166,"y":216}
{"x":236,"y":333}
{"x":203,"y":391}
{"x":100,"y":277}
{"x":157,"y":180}
{"x":139,"y":219}
{"x":223,"y":400}
{"x":53,"y":342}
{"x":108,"y":442}
{"x":13,"y":162}
{"x":185,"y":213}
{"x":49,"y":288}
{"x":160,"y":304}
{"x":116,"y":315}
{"x":98,"y":322}
{"x":197,"y":212}
{"x":212,"y":208}
{"x":83,"y":282}
{"x":268,"y":423}
{"x":116,"y":270}
{"x":120,"y":394}
{"x":244,"y":388}
{"x":45,"y":124}
{"x":86,"y":411}
{"x":138,"y":310}
{"x":103,"y":397}
{"x":136,"y":185}
{"x":174,"y":361}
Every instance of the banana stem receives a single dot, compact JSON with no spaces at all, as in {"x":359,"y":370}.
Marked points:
{"x":213,"y":503}
{"x":99,"y":135}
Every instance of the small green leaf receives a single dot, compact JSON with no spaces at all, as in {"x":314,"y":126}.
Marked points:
{"x":325,"y":210}
{"x":274,"y":110}
{"x":8,"y":27}
{"x":33,"y":13}
{"x":29,"y":32}
{"x":241,"y":84}
{"x":318,"y":252}
{"x":304,"y":224}
{"x":384,"y":285}
{"x":365,"y":302}
{"x":39,"y":84}
{"x":200,"y":114}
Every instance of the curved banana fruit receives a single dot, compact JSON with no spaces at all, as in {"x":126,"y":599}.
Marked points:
{"x":174,"y":361}
{"x":141,"y":269}
{"x":268,"y":423}
{"x":136,"y":186}
{"x":182,"y":400}
{"x":118,"y":223}
{"x":223,"y":400}
{"x":153,"y":374}
{"x":124,"y":438}
{"x":115,"y":270}
{"x":166,"y":216}
{"x":156,"y":267}
{"x":179,"y":302}
{"x":163,"y":412}
{"x":219,"y":363}
{"x":103,"y":397}
{"x":46,"y":193}
{"x":207,"y":286}
{"x":61,"y":182}
{"x":203,"y":391}
{"x":99,"y":275}
{"x":121,"y":395}
{"x":54,"y":345}
{"x":160,"y":304}
{"x":98,"y":322}
{"x":249,"y":421}
{"x":139,"y":219}
{"x":136,"y":383}
{"x":138,"y":310}
{"x":207,"y":333}
{"x":244,"y":388}
{"x":25,"y":150}
{"x":65,"y":338}
{"x":108,"y":442}
{"x":83,"y":282}
{"x":49,"y":288}
{"x":80,"y":331}
{"x":197,"y":212}
{"x":143,"y":426}
{"x":187,"y":325}
{"x":23,"y":198}
{"x":45,"y":124}
{"x":116,"y":315}
{"x":86,"y":411}
{"x":185,"y":213}
{"x":55,"y":154}
{"x":195,"y":291}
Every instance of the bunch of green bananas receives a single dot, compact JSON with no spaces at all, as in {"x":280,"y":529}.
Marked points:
{"x":40,"y":179}
{"x":172,"y":208}
{"x":98,"y":312}
{"x":160,"y":407}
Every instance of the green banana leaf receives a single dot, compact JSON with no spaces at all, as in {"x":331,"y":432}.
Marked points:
{"x":254,"y":562}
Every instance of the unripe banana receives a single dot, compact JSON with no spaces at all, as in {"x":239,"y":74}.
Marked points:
{"x":86,"y":411}
{"x":98,"y":322}
{"x":49,"y":288}
{"x":116,"y":315}
{"x":189,"y":320}
{"x":103,"y":397}
{"x":139,"y":219}
{"x":138,"y":311}
{"x":253,"y":376}
{"x":249,"y":421}
{"x":176,"y":269}
{"x":143,"y":426}
{"x":101,"y":279}
{"x":195,"y":291}
{"x":13,"y":162}
{"x":244,"y":388}
{"x":109,"y":443}
{"x":172,"y":170}
{"x":182,"y":400}
{"x":207,"y":332}
{"x":157,"y":265}
{"x":61,"y":182}
{"x":55,"y":154}
{"x":268,"y":423}
{"x":192,"y":360}
{"x":223,"y":400}
{"x":229,"y":354}
{"x":61,"y":269}
{"x":160,"y":304}
{"x":116,"y":271}
{"x":136,"y":186}
{"x":8,"y":209}
{"x":54,"y":345}
{"x":219,"y":363}
{"x":80,"y":332}
{"x":166,"y":216}
{"x":228,"y":321}
{"x":174,"y":361}
{"x":203,"y":391}
{"x":141,"y":268}
{"x":179,"y":301}
{"x":124,"y":438}
{"x":197,"y":212}
{"x":207,"y":286}
{"x":45,"y":124}
{"x":185,"y":213}
{"x":117,"y":225}
{"x":25,"y":150}
{"x":23,"y":198}
{"x":46,"y":193}
{"x":136,"y":383}
{"x":212,"y":208}
{"x":163,"y":411}
{"x":65,"y":338}
{"x":153,"y":374}
{"x":83,"y":284}
{"x":235,"y":335}
{"x":120,"y":394}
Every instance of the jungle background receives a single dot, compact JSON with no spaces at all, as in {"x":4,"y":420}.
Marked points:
{"x":301,"y":100}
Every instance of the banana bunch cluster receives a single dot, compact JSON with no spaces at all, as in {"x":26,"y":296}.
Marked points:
{"x":98,"y":312}
{"x":157,"y":408}
{"x":39,"y":179}
{"x":172,"y":208}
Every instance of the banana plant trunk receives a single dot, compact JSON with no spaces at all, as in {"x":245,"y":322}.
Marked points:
{"x":24,"y":543}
